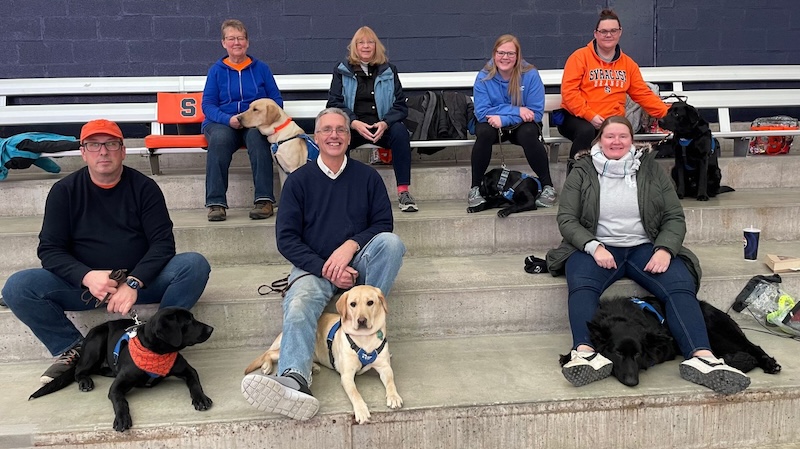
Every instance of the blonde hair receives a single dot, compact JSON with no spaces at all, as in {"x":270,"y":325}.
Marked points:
{"x":235,"y":24}
{"x":366,"y":33}
{"x":520,"y":66}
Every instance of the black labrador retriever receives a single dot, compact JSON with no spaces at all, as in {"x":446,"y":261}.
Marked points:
{"x":137,"y":357}
{"x":502,"y":187}
{"x":633,"y":334}
{"x":696,"y":171}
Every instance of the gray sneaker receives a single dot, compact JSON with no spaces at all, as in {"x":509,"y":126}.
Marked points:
{"x":279,"y":394}
{"x":62,"y":364}
{"x":547,"y":198}
{"x":474,"y":199}
{"x":407,"y":203}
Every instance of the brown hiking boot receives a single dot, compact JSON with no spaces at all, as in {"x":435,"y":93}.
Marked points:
{"x":216,"y":213}
{"x":261,"y":210}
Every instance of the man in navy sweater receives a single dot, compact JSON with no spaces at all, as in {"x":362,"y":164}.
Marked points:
{"x":335,"y":226}
{"x":103,"y":217}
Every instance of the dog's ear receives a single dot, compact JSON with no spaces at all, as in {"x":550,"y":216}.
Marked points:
{"x":169,"y":330}
{"x":341,"y":305}
{"x":382,"y":299}
{"x":272,"y":114}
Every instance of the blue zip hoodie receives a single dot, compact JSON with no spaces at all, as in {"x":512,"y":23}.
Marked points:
{"x":491,"y":97}
{"x":229,"y":92}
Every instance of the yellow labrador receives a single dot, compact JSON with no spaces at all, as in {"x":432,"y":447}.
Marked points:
{"x":362,"y":311}
{"x":274,"y":123}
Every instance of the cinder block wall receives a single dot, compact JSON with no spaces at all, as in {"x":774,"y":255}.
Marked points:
{"x":58,"y":38}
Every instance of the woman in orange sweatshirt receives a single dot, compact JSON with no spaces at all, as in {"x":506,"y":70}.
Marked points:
{"x":595,"y":81}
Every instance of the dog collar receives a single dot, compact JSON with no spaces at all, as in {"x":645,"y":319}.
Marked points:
{"x":363,"y":356}
{"x":155,"y":365}
{"x":648,"y":308}
{"x":284,"y":124}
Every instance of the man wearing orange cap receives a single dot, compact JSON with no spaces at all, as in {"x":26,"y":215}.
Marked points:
{"x":101,"y":218}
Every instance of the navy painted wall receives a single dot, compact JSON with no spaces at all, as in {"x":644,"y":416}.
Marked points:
{"x":58,"y":38}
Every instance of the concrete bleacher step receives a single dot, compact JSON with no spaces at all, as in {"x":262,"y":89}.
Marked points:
{"x":441,"y":228}
{"x":474,"y":391}
{"x":433,"y":297}
{"x":24,"y":192}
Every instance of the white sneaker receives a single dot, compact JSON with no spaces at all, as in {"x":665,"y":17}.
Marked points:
{"x":713,"y":373}
{"x":279,"y":394}
{"x":586,"y":367}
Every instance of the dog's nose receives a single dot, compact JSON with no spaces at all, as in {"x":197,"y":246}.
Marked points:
{"x":362,"y":323}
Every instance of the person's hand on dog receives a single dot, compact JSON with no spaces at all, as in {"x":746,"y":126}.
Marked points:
{"x":495,"y":121}
{"x":123,"y":300}
{"x":604,"y":259}
{"x":597,"y":121}
{"x":526,"y":114}
{"x":99,"y":283}
{"x":659,"y":262}
{"x":234,"y":122}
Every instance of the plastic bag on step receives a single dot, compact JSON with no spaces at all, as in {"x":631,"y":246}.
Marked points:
{"x":770,"y":304}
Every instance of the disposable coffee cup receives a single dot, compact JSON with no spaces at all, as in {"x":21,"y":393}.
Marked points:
{"x":750,"y":242}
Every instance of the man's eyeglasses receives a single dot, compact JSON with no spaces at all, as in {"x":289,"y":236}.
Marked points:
{"x":611,"y":32}
{"x":328,"y":130}
{"x":94,"y":147}
{"x":233,"y":39}
{"x":510,"y":54}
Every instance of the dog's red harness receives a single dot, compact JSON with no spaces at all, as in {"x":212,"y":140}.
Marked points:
{"x":156,"y":365}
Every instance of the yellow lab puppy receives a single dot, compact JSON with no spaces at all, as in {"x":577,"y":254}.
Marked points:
{"x":352,"y":347}
{"x":274,"y":123}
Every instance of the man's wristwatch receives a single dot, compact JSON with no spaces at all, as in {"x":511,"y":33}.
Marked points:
{"x":133,"y":283}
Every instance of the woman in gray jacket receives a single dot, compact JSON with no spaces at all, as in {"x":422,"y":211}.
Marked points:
{"x":619,"y":216}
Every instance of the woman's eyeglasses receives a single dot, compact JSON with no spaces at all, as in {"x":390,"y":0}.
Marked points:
{"x":611,"y":32}
{"x":509,"y":54}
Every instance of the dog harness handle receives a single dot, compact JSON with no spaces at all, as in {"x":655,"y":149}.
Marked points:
{"x":648,"y":308}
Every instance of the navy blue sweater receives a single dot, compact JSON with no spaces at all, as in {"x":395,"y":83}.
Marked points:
{"x":317,"y":214}
{"x":88,"y":228}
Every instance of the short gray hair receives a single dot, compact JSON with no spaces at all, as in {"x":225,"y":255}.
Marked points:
{"x":327,"y":111}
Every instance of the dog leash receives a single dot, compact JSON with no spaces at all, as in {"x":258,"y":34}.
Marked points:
{"x":500,"y":144}
{"x":281,"y":286}
{"x":118,"y":276}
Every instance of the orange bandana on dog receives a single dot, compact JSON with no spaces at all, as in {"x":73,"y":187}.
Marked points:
{"x":149,"y":361}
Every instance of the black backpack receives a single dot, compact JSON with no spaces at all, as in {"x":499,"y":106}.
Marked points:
{"x":442,"y":115}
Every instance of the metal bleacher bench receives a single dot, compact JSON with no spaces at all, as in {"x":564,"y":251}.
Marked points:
{"x":689,"y":81}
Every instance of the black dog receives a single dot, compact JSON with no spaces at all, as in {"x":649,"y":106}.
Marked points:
{"x":696,"y":171}
{"x":110,"y":350}
{"x":501,"y":187}
{"x":633,"y":335}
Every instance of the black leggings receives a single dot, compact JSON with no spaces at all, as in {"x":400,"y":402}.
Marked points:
{"x":525,"y":135}
{"x":579,"y":131}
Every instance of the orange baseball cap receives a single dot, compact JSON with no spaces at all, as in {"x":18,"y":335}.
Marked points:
{"x":100,"y":126}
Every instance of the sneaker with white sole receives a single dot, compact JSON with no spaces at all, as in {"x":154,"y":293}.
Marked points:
{"x":280,"y":394}
{"x":407,"y":203}
{"x":586,"y":367}
{"x":548,"y":197}
{"x":713,"y":373}
{"x":475,"y":199}
{"x":62,"y":364}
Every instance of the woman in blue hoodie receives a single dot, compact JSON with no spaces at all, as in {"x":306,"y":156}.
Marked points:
{"x":232,"y":84}
{"x":509,"y":100}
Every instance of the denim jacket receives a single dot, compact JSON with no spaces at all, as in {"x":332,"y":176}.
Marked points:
{"x":389,"y":99}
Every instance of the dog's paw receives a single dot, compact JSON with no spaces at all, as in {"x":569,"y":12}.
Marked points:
{"x":123,"y":422}
{"x":315,"y":369}
{"x":770,"y":365}
{"x":362,"y":412}
{"x":503,"y":213}
{"x":394,"y":401}
{"x":202,"y":403}
{"x":86,"y":384}
{"x":702,"y":197}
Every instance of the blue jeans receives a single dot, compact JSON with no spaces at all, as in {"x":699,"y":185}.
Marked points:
{"x":39,"y":298}
{"x":397,"y":138}
{"x":377,"y":264}
{"x":223,"y":141}
{"x":675,"y":288}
